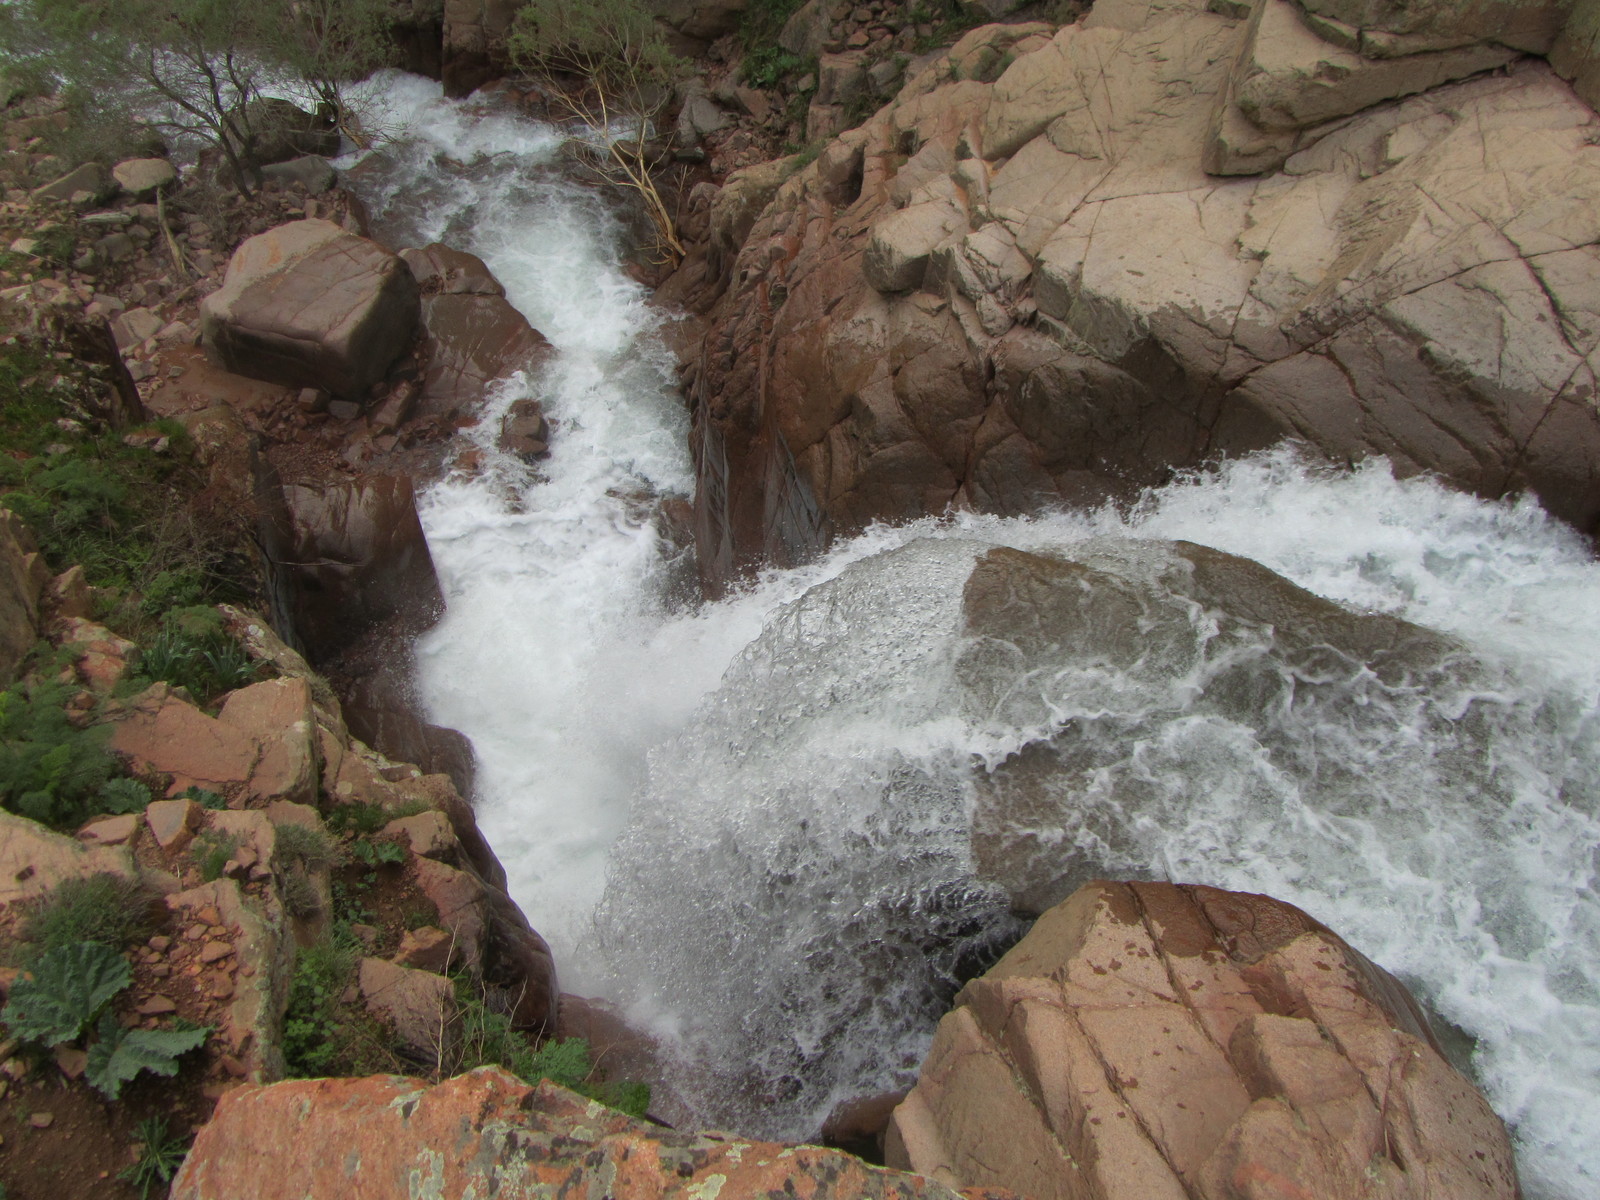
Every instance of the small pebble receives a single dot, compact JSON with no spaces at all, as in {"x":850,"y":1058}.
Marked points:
{"x":42,"y":1120}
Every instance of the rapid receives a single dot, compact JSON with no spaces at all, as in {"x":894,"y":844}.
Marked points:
{"x":747,"y":822}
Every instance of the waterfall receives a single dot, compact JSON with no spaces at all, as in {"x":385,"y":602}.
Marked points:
{"x":747,"y":822}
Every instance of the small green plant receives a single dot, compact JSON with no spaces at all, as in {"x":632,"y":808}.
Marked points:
{"x":378,"y":853}
{"x":310,"y":1042}
{"x":322,"y":1035}
{"x":161,"y":1153}
{"x":107,"y":910}
{"x":56,"y":245}
{"x":565,"y":1061}
{"x":120,"y":1053}
{"x":211,"y":852}
{"x":124,"y":795}
{"x":348,"y":908}
{"x":69,"y":988}
{"x":362,"y":819}
{"x":769,"y":65}
{"x":205,"y":798}
{"x":486,"y":1038}
{"x":206,"y":664}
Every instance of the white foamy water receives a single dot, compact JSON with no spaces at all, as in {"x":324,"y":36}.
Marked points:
{"x":748,"y":821}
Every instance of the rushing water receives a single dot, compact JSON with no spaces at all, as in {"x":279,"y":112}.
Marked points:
{"x":748,"y":821}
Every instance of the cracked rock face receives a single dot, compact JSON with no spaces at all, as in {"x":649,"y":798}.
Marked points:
{"x":1155,"y":1041}
{"x":1017,"y":285}
{"x":486,"y":1133}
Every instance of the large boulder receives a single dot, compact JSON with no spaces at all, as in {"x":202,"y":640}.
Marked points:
{"x":283,"y":130}
{"x":142,"y":178}
{"x":487,"y":1133}
{"x":260,"y":747}
{"x":474,"y":42}
{"x":1394,"y":28}
{"x":1017,"y":285}
{"x":309,"y":304}
{"x":703,"y":20}
{"x":472,"y":334}
{"x":1124,"y":641}
{"x":34,"y":861}
{"x":361,"y":560}
{"x":1150,"y":1041}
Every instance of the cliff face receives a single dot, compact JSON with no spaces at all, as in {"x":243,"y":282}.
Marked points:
{"x":1039,"y":276}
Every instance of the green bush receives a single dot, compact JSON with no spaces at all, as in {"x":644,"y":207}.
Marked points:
{"x":300,"y":897}
{"x":764,"y":20}
{"x":769,"y":65}
{"x":211,"y":852}
{"x":139,"y":523}
{"x":50,"y":770}
{"x":309,"y":845}
{"x":363,"y":819}
{"x":486,"y":1038}
{"x":205,"y":663}
{"x":107,"y":910}
{"x":322,"y":1035}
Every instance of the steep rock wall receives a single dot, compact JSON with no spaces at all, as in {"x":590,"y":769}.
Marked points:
{"x":1017,"y":285}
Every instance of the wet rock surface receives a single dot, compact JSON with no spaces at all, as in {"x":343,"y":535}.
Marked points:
{"x":1116,"y":629}
{"x":361,"y":560}
{"x":1154,"y":1040}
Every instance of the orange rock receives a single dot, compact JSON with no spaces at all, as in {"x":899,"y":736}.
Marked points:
{"x":427,"y":949}
{"x":109,"y":831}
{"x":460,"y":899}
{"x":173,"y":822}
{"x":486,"y":1133}
{"x":263,"y":739}
{"x":418,"y":1005}
{"x":1149,"y":1041}
{"x":100,"y":657}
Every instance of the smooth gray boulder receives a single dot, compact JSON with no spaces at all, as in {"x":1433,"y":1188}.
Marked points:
{"x":310,"y":171}
{"x":90,"y":178}
{"x":142,"y":178}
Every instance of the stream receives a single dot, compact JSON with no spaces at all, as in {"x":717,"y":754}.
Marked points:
{"x":747,"y":823}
